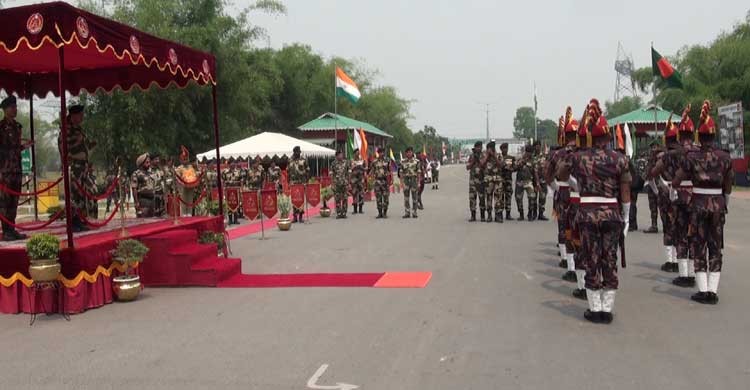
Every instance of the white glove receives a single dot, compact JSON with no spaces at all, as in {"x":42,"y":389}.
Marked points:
{"x":654,"y":188}
{"x":573,"y":183}
{"x":673,"y":194}
{"x":726,"y":200}
{"x":626,"y":217}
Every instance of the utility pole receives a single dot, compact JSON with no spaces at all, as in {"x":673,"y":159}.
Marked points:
{"x":487,"y":120}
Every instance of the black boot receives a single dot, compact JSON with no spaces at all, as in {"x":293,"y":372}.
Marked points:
{"x":508,"y":217}
{"x":380,"y":213}
{"x":498,"y":217}
{"x":520,"y":214}
{"x":684,"y":281}
{"x":701,"y":297}
{"x":541,"y":215}
{"x":652,"y":229}
{"x":563,"y":263}
{"x":385,"y":212}
{"x":489,"y":215}
{"x":473,"y":216}
{"x":580,"y":293}
{"x":570,"y":276}
{"x":360,"y":208}
{"x":481,"y":213}
{"x":593,"y":316}
{"x":530,"y":216}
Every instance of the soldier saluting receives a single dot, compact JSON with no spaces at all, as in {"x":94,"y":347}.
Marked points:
{"x":11,"y":146}
{"x":79,"y":147}
{"x":476,"y":181}
{"x":604,"y":184}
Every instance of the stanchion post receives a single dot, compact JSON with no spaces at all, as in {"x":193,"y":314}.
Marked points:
{"x":260,"y":208}
{"x":123,"y":229}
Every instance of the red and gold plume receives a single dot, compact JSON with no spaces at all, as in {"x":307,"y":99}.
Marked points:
{"x":707,"y":125}
{"x":184,"y":155}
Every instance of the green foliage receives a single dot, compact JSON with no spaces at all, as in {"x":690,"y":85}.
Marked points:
{"x":51,"y":211}
{"x":129,"y":251}
{"x":43,"y":247}
{"x":326,"y":193}
{"x":284,"y":204}
{"x":622,"y":106}
{"x":523,"y":123}
{"x":209,"y":237}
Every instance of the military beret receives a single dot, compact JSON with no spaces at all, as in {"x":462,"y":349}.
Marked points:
{"x":381,"y":149}
{"x":141,"y":159}
{"x":537,"y":143}
{"x":296,"y":149}
{"x":10,"y":101}
{"x":75,"y":109}
{"x":478,"y":144}
{"x":409,"y":149}
{"x":491,"y":145}
{"x":504,"y":145}
{"x":528,"y":148}
{"x":154,"y":155}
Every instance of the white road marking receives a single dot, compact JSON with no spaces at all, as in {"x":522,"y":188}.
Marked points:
{"x":312,"y":383}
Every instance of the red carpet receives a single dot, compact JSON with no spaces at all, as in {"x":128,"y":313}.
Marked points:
{"x":377,"y":280}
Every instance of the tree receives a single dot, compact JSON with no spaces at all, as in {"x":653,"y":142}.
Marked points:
{"x":523,"y":123}
{"x":622,"y":106}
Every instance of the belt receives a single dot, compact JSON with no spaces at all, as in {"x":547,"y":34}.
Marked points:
{"x":598,"y":199}
{"x":666,"y":183}
{"x":576,"y":195}
{"x":686,"y":183}
{"x":562,"y":183}
{"x":708,"y":191}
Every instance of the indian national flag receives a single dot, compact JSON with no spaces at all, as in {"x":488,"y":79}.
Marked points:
{"x":360,"y":142}
{"x":346,"y":87}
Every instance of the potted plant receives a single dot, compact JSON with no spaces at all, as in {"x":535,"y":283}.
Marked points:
{"x":128,"y":252}
{"x":326,"y":194}
{"x":285,"y":207}
{"x":215,"y":238}
{"x":44,"y":254}
{"x":53,"y":210}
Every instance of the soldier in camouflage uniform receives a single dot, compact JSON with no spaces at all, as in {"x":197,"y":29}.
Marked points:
{"x":380,"y":171}
{"x":341,"y":174}
{"x":423,"y":166}
{"x":299,"y":172}
{"x":232,"y":178}
{"x":660,"y":175}
{"x":603,"y":179}
{"x":493,"y":166}
{"x":143,"y":183}
{"x":636,"y":167}
{"x":274,"y":176}
{"x":11,"y":146}
{"x":525,"y":179}
{"x":476,"y":182}
{"x":81,"y":172}
{"x":651,"y":190}
{"x":409,"y":171}
{"x":710,"y":170}
{"x":158,"y":173}
{"x":253,"y":180}
{"x":358,"y":182}
{"x":507,"y":173}
{"x":540,"y":162}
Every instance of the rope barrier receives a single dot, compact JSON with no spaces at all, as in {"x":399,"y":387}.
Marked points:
{"x":37,"y":227}
{"x":191,"y":205}
{"x":103,"y":196}
{"x":97,"y":224}
{"x":7,"y":190}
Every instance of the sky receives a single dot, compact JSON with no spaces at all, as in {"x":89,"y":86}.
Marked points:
{"x":450,"y":58}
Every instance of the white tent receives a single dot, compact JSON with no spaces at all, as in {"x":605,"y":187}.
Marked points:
{"x":268,"y":144}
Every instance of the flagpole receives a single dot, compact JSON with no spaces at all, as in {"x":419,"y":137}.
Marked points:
{"x":653,"y":90}
{"x":536,"y":136}
{"x":335,"y":112}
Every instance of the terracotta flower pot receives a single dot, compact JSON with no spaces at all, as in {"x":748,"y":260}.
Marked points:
{"x":284,"y":224}
{"x":126,"y":287}
{"x":44,"y":270}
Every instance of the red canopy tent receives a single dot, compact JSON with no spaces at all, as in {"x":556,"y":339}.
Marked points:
{"x":55,"y":47}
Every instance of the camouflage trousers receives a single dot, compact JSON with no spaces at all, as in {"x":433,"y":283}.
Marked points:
{"x":341,"y":198}
{"x":561,"y":204}
{"x":8,"y":202}
{"x":667,"y":212}
{"x":493,"y":195}
{"x":653,"y":206}
{"x":599,"y":244}
{"x":146,"y":206}
{"x":681,"y":230}
{"x":708,"y":231}
{"x":358,"y":191}
{"x":411,"y":190}
{"x":541,"y":197}
{"x":572,"y":234}
{"x":527,"y":187}
{"x":382,"y":193}
{"x":507,"y":193}
{"x":79,"y":203}
{"x":476,"y":190}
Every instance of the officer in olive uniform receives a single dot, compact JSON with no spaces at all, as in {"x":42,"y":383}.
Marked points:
{"x":341,"y":174}
{"x":143,"y":184}
{"x":476,"y":182}
{"x":540,"y":161}
{"x":158,"y":173}
{"x":493,"y":166}
{"x":507,"y":173}
{"x":380,"y":171}
{"x":525,"y":179}
{"x":299,"y":172}
{"x":81,"y":172}
{"x":11,"y":146}
{"x":274,"y":176}
{"x":357,"y":182}
{"x":409,"y":171}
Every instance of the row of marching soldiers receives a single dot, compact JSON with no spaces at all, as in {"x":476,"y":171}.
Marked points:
{"x":591,"y":181}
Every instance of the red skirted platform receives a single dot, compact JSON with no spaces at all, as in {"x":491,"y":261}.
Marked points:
{"x":175,"y":259}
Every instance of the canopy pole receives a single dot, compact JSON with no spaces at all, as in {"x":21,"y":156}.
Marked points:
{"x":33,"y":148}
{"x":64,"y":142}
{"x":219,"y":185}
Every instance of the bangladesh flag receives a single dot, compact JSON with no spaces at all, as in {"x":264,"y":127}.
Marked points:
{"x":662,"y":68}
